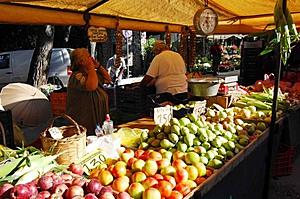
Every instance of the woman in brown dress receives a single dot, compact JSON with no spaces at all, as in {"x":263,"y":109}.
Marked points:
{"x":87,"y":102}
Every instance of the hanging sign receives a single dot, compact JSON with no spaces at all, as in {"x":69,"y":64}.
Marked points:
{"x":97,"y":34}
{"x":163,"y":115}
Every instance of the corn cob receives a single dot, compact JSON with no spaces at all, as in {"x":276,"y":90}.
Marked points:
{"x":33,"y":174}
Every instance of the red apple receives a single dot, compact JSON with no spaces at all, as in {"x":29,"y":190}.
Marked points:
{"x":151,"y":193}
{"x":73,"y":191}
{"x":154,"y":155}
{"x":121,"y":184}
{"x":176,"y":195}
{"x":171,"y":180}
{"x":94,"y":186}
{"x":105,"y":177}
{"x":127,"y":154}
{"x":43,"y":195}
{"x":90,"y":196}
{"x":136,"y":190}
{"x":138,"y":176}
{"x":163,"y":163}
{"x":119,"y":169}
{"x":138,"y":165}
{"x":178,"y":155}
{"x":107,"y":195}
{"x":150,"y":168}
{"x":181,"y":175}
{"x":59,"y":189}
{"x":149,"y":182}
{"x":105,"y":189}
{"x":178,"y":163}
{"x":158,"y":177}
{"x":76,"y":168}
{"x":79,"y":181}
{"x":56,"y":196}
{"x":138,"y":153}
{"x":165,"y":188}
{"x":57,"y":180}
{"x":20,"y":191}
{"x":45,"y":183}
{"x":123,"y":195}
{"x":67,"y":179}
{"x":184,"y":189}
{"x":131,"y":161}
{"x":5,"y":190}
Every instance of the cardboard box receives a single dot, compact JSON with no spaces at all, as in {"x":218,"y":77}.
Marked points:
{"x":224,"y":101}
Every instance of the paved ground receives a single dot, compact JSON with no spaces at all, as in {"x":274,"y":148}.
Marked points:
{"x":287,"y":187}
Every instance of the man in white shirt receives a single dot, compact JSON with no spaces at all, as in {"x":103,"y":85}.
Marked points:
{"x":116,"y":74}
{"x":167,"y":72}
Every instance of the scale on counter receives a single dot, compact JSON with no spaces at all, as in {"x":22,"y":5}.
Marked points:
{"x":229,"y":85}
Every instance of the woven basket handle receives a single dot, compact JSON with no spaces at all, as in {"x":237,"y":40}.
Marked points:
{"x":69,"y":119}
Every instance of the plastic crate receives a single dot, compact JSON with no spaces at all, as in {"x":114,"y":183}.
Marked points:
{"x":283,"y":163}
{"x":58,"y":102}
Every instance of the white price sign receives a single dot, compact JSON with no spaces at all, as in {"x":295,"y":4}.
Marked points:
{"x":163,"y":114}
{"x":199,"y":107}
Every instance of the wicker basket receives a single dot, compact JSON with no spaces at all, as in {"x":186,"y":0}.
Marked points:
{"x":72,"y":146}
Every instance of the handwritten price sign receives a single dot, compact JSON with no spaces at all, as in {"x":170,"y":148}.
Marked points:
{"x":199,"y":107}
{"x":163,"y":114}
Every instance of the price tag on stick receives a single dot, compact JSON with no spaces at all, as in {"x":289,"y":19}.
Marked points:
{"x":163,"y":114}
{"x":199,"y":108}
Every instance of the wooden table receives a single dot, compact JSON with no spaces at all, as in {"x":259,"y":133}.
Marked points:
{"x":142,"y":123}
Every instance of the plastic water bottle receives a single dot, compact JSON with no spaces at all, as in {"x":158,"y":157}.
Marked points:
{"x":108,"y":125}
{"x":98,"y":131}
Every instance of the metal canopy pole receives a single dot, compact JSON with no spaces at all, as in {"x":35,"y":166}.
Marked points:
{"x":273,"y":132}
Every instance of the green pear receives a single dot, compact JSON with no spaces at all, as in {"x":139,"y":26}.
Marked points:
{"x":182,"y":147}
{"x":216,"y":143}
{"x":175,"y":129}
{"x":155,"y":143}
{"x":185,"y":130}
{"x":229,"y":155}
{"x":189,"y":139}
{"x":196,"y":142}
{"x":204,"y":160}
{"x":206,"y":145}
{"x":184,"y":121}
{"x":144,"y":136}
{"x":191,"y":158}
{"x":161,"y":136}
{"x":174,"y":121}
{"x":222,"y":151}
{"x":244,"y":142}
{"x":192,"y":117}
{"x":173,"y":138}
{"x":166,"y":144}
{"x":193,"y":128}
{"x":167,"y":128}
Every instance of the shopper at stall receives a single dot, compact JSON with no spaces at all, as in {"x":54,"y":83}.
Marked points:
{"x":216,"y":54}
{"x":116,"y":73}
{"x":167,"y":72}
{"x":87,"y":102}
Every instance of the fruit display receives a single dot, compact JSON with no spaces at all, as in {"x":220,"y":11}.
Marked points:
{"x":168,"y":161}
{"x":148,"y":173}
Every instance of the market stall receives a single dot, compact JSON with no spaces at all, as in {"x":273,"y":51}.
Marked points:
{"x":201,"y":153}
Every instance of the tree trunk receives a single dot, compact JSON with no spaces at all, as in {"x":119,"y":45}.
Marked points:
{"x":38,"y":71}
{"x":137,"y":56}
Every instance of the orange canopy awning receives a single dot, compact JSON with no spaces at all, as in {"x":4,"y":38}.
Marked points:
{"x":235,"y":16}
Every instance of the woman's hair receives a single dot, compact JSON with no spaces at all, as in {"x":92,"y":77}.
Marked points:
{"x":79,"y":57}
